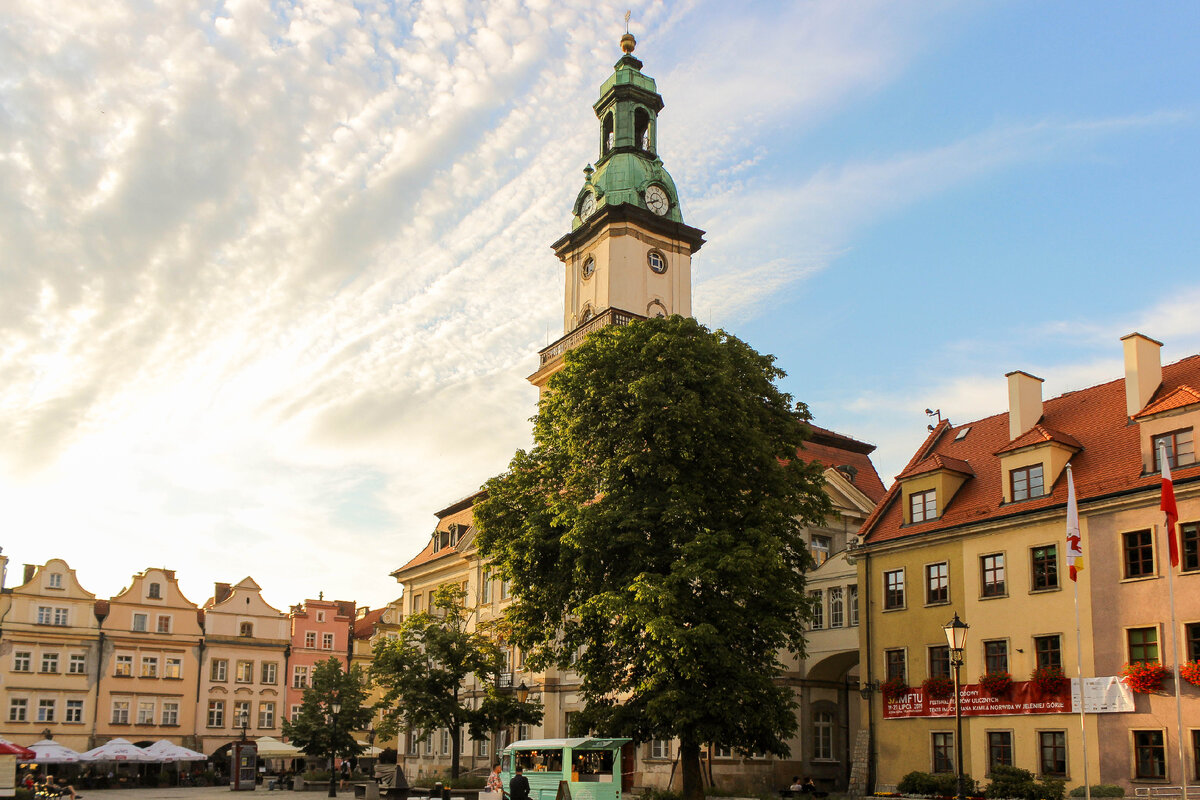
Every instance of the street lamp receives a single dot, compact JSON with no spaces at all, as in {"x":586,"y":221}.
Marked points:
{"x":522,"y":692}
{"x":956,"y":637}
{"x":335,"y":708}
{"x":244,"y":722}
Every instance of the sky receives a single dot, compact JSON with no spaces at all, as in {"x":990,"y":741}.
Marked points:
{"x":273,"y":272}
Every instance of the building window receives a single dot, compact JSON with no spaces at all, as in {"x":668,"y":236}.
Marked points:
{"x":124,"y":666}
{"x":852,"y":597}
{"x":999,"y":749}
{"x":1047,"y":651}
{"x":1180,"y":448}
{"x":78,"y":664}
{"x":120,"y":712}
{"x":310,"y":638}
{"x":657,"y":262}
{"x":505,"y":588}
{"x":216,"y":713}
{"x":1149,"y":755}
{"x":923,"y":505}
{"x":1191,"y":643}
{"x":164,"y":623}
{"x":660,"y":748}
{"x":823,"y":736}
{"x":60,"y":617}
{"x":270,"y":672}
{"x":241,"y":713}
{"x":45,"y":711}
{"x":295,"y":713}
{"x":939,"y":661}
{"x":266,"y":715}
{"x":18,"y":709}
{"x":320,"y":616}
{"x":943,"y":751}
{"x":43,"y":615}
{"x":1045,"y":567}
{"x":893,"y":589}
{"x":170,"y":713}
{"x":140,"y":622}
{"x":1139,"y":553}
{"x":485,"y":587}
{"x":937,"y":583}
{"x":995,"y":656}
{"x":49,"y":615}
{"x":299,"y":676}
{"x":1027,"y":482}
{"x":1196,"y":753}
{"x":1143,"y":645}
{"x":483,"y":748}
{"x":49,"y":662}
{"x":246,"y":629}
{"x":327,"y":641}
{"x":445,"y":741}
{"x":149,"y":666}
{"x":174,"y":668}
{"x":992,"y":569}
{"x":74,"y":711}
{"x":244,"y":672}
{"x":895,"y":663}
{"x":820,"y":546}
{"x":1189,"y":532}
{"x":416,"y":604}
{"x":154,"y":592}
{"x":23,"y":661}
{"x":818,"y":609}
{"x":219,"y":670}
{"x":55,"y":580}
{"x":145,"y":712}
{"x":1052,"y":753}
{"x":837,"y":613}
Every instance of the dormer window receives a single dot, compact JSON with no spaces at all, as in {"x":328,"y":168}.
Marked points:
{"x":1179,"y":445}
{"x":1027,"y":482}
{"x":155,"y":592}
{"x":246,"y":629}
{"x":923,"y":505}
{"x":55,"y":580}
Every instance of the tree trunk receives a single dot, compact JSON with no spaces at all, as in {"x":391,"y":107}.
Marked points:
{"x":455,"y":742}
{"x":689,"y":763}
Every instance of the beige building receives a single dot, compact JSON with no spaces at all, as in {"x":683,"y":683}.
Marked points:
{"x":243,"y":667}
{"x":150,"y":664}
{"x":49,"y":656}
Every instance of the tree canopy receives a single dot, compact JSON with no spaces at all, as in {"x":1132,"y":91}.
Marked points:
{"x":316,"y":729}
{"x":424,"y":669}
{"x":654,"y":537}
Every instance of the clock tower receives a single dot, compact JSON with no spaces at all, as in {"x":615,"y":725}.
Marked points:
{"x":629,"y":254}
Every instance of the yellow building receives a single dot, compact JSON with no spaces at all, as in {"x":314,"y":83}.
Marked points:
{"x":150,"y":663}
{"x":243,"y":667}
{"x":49,"y":657}
{"x":975,"y":525}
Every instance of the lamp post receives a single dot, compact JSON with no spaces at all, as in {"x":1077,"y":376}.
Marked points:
{"x":956,"y":637}
{"x":335,"y":708}
{"x":244,"y":722}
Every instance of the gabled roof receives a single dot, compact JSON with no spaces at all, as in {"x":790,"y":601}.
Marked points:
{"x":1109,"y":460}
{"x":1040,"y":434}
{"x":428,"y":554}
{"x":364,"y":626}
{"x":1181,"y":397}
{"x":835,"y":450}
{"x":936,"y":462}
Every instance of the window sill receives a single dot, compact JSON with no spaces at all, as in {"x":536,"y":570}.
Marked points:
{"x":897,"y":608}
{"x":172,"y":678}
{"x":169,"y":725}
{"x":935,"y":603}
{"x":123,"y":676}
{"x":121,"y":724}
{"x":1046,"y":590}
{"x":1139,"y":579}
{"x":993,"y":596}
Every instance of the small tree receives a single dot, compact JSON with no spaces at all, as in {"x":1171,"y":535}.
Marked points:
{"x":320,"y":732}
{"x":422,"y":672}
{"x":655,"y":537}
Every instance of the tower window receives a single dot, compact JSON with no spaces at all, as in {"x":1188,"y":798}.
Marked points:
{"x":657,"y":262}
{"x":641,"y":130}
{"x":589,"y":266}
{"x":608,"y":135}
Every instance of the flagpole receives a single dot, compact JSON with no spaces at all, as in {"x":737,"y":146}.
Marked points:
{"x":1168,"y":507}
{"x":1073,"y":527}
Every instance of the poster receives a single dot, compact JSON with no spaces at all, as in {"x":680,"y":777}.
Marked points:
{"x":1104,"y":695}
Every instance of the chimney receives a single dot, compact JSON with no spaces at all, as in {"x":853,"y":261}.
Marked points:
{"x":29,"y":570}
{"x":1143,"y":371}
{"x":221,"y":592}
{"x":1024,"y":402}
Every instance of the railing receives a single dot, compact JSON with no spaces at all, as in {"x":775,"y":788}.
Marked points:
{"x":611,"y":316}
{"x":504,"y":680}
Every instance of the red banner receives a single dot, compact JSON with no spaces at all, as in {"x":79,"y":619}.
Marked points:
{"x":1023,"y":698}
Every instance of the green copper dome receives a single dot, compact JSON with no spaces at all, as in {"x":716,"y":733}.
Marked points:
{"x":628,"y":170}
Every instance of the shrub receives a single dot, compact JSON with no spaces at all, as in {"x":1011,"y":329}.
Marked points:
{"x":317,"y":776}
{"x":1100,"y":790}
{"x":1144,"y":677}
{"x":1013,"y":782}
{"x":938,"y":688}
{"x":918,"y":783}
{"x":661,"y":794}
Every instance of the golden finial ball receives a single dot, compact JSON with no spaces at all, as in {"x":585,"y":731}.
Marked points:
{"x":628,"y":43}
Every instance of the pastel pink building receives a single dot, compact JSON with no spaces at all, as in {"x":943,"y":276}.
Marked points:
{"x":320,"y":630}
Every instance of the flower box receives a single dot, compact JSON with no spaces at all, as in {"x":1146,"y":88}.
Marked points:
{"x":893,"y":689}
{"x":1190,"y":672}
{"x":938,"y":688}
{"x":996,"y":684}
{"x":1144,"y":677}
{"x":1049,"y":680}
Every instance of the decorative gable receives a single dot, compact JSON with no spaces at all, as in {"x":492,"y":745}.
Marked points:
{"x":940,"y":475}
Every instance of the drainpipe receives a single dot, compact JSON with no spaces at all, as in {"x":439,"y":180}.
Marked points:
{"x":865,"y":618}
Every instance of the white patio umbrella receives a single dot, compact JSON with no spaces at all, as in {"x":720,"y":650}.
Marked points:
{"x":51,"y":752}
{"x":169,"y":751}
{"x":118,"y":750}
{"x":270,"y":747}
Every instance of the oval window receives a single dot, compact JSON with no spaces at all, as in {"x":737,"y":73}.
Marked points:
{"x":657,"y":262}
{"x":589,"y":266}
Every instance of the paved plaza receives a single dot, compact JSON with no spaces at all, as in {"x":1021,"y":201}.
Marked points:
{"x":199,"y":793}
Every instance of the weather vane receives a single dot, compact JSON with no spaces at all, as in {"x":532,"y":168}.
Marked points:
{"x":627,"y":13}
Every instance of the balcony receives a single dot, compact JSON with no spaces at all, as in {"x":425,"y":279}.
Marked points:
{"x":610,"y":316}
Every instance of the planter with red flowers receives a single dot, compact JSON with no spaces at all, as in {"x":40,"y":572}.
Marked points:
{"x":939,"y":688}
{"x":893,"y":689}
{"x":1049,"y":680}
{"x":1144,"y":677}
{"x":1190,"y":672}
{"x":996,"y":684}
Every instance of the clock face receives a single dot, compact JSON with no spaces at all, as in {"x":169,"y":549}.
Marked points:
{"x":656,"y":200}
{"x":587,"y":206}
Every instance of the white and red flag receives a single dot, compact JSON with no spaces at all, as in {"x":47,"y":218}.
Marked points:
{"x":1074,"y":540}
{"x":1167,"y":504}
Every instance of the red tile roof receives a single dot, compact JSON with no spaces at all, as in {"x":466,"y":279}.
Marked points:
{"x":1040,"y":434}
{"x":1179,"y":398}
{"x":832,"y":449}
{"x":364,"y":626}
{"x":1108,"y":462}
{"x":426,"y":555}
{"x":934,"y":463}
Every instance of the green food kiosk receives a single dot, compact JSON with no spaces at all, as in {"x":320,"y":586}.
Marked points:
{"x":566,"y":769}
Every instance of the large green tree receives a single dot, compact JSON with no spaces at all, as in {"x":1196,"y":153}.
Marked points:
{"x":320,"y":731}
{"x":654,"y":533}
{"x":423,"y":670}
